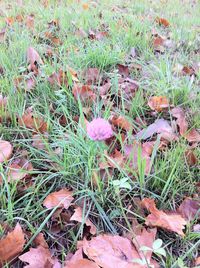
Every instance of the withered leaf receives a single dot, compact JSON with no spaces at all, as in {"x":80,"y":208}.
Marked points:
{"x":19,"y":169}
{"x":6,"y":150}
{"x":12,"y":244}
{"x":33,"y":57}
{"x":162,"y":21}
{"x":173,"y":222}
{"x":84,"y":92}
{"x":79,"y":216}
{"x":158,"y":103}
{"x":121,"y":122}
{"x":62,"y":198}
{"x":38,"y":257}
{"x":190,"y":208}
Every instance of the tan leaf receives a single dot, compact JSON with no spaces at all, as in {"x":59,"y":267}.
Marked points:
{"x":158,"y":103}
{"x":38,"y":257}
{"x":62,"y":198}
{"x":190,"y":208}
{"x":40,"y":241}
{"x":121,"y":122}
{"x":170,"y":221}
{"x":12,"y":244}
{"x":6,"y":150}
{"x":19,"y":169}
{"x":84,"y":92}
{"x":79,"y":216}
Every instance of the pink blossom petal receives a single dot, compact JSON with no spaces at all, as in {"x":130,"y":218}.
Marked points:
{"x":99,"y":129}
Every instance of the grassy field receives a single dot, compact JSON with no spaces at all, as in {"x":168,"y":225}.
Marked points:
{"x":68,"y":158}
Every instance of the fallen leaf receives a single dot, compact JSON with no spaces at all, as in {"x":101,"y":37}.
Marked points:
{"x":114,"y":160}
{"x":190,"y":208}
{"x":12,"y":245}
{"x":197,"y":261}
{"x":190,"y":157}
{"x":109,"y":251}
{"x":30,"y":21}
{"x":181,"y":119}
{"x":62,"y":198}
{"x":79,"y":216}
{"x":128,"y":87}
{"x":84,"y":92}
{"x":33,"y":57}
{"x":85,"y":6}
{"x":162,"y":21}
{"x":96,"y":35}
{"x":173,"y":222}
{"x":40,"y":141}
{"x":158,"y":103}
{"x":160,"y":126}
{"x":40,"y":241}
{"x":6,"y":150}
{"x":193,"y":135}
{"x":121,"y":122}
{"x":123,"y":70}
{"x":19,"y":169}
{"x":33,"y":122}
{"x":38,"y":257}
{"x":91,"y":76}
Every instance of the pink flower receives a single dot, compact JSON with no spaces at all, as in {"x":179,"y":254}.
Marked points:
{"x":99,"y":129}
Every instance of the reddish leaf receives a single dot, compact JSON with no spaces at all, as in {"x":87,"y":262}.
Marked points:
{"x":39,"y":257}
{"x":160,"y":126}
{"x":109,"y":251}
{"x":62,"y":198}
{"x":181,"y":119}
{"x":6,"y":150}
{"x":121,"y":122}
{"x":33,"y":122}
{"x":190,"y":208}
{"x":91,"y":75}
{"x":40,"y":241}
{"x":197,"y":261}
{"x":30,"y":21}
{"x":191,"y":158}
{"x":173,"y":222}
{"x":19,"y":169}
{"x":193,"y":136}
{"x":158,"y":103}
{"x":33,"y":57}
{"x":12,"y":245}
{"x":79,"y":216}
{"x":123,"y":70}
{"x":128,"y":87}
{"x":163,"y":22}
{"x":84,"y":92}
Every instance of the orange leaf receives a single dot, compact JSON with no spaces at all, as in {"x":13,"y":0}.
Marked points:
{"x":158,"y":103}
{"x":163,"y":22}
{"x":38,"y":257}
{"x":121,"y":122}
{"x":62,"y":198}
{"x":40,"y":241}
{"x":170,"y":221}
{"x":85,"y":6}
{"x":12,"y":244}
{"x":30,"y":21}
{"x":6,"y":150}
{"x":79,"y":216}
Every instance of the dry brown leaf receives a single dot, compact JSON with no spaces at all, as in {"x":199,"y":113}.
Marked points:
{"x":173,"y":222}
{"x":121,"y":122}
{"x":19,"y":169}
{"x":91,"y":76}
{"x":190,"y":208}
{"x":30,"y":21}
{"x":12,"y":245}
{"x":163,"y":22}
{"x":109,"y":251}
{"x":79,"y":216}
{"x":197,"y":261}
{"x":160,"y":126}
{"x":62,"y":198}
{"x":114,"y":160}
{"x":158,"y":103}
{"x":33,"y":122}
{"x":40,"y":241}
{"x":190,"y":157}
{"x":33,"y":56}
{"x":123,"y":70}
{"x":84,"y":92}
{"x":40,"y":141}
{"x":193,"y":135}
{"x":6,"y":150}
{"x":39,"y":257}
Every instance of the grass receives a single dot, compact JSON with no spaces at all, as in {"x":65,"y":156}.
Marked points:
{"x":129,"y":26}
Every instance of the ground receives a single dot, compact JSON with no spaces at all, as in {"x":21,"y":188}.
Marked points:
{"x":73,"y":36}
